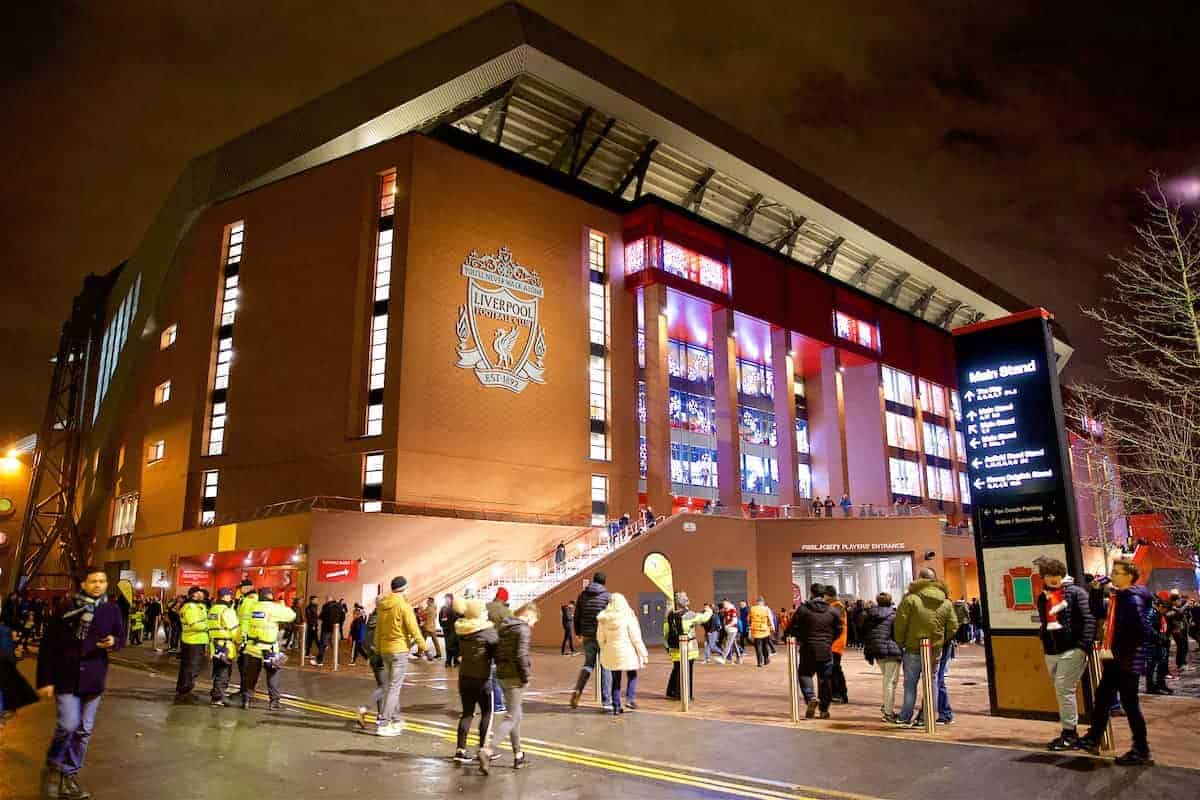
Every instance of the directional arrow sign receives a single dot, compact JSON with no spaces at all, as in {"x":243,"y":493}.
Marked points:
{"x":974,"y":443}
{"x":972,"y":429}
{"x":969,"y":395}
{"x":978,"y":483}
{"x":976,"y":463}
{"x":971,"y":415}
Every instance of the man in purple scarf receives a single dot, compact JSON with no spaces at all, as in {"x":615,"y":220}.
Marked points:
{"x":72,"y":666}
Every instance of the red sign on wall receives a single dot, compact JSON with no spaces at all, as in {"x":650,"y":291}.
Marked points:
{"x":337,"y":570}
{"x":194,"y":577}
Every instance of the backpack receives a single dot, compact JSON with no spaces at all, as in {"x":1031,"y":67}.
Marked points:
{"x":674,"y":629}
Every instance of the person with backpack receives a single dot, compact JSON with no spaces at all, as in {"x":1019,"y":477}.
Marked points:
{"x":680,"y":621}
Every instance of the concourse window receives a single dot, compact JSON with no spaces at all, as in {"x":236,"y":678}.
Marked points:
{"x":933,"y":398}
{"x":855,"y":330}
{"x":937,"y":441}
{"x":897,"y":387}
{"x":901,"y":431}
{"x":905,"y":477}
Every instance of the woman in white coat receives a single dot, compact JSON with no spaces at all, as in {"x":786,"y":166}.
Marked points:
{"x":621,"y":649}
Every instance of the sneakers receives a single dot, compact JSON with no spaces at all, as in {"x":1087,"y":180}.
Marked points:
{"x":944,"y":720}
{"x":1134,"y":759}
{"x":575,"y":699}
{"x":630,"y":705}
{"x":362,"y":717}
{"x":485,"y":761}
{"x":389,"y":729}
{"x":274,"y":705}
{"x":69,"y":789}
{"x":1065,"y":741}
{"x":888,"y":718}
{"x":811,"y":710}
{"x":520,"y":761}
{"x":218,"y":702}
{"x":1088,"y":745}
{"x":461,"y":757}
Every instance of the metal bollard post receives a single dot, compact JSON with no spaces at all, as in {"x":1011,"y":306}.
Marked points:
{"x":598,"y":674}
{"x":685,"y":677}
{"x":928,"y":686}
{"x":793,"y":684}
{"x":303,"y":644}
{"x":337,"y":636}
{"x":1095,"y":668}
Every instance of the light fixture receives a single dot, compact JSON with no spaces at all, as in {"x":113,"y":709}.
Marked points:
{"x":139,"y":586}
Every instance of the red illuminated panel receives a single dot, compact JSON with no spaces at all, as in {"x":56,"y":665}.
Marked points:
{"x":679,"y":261}
{"x":864,"y":334}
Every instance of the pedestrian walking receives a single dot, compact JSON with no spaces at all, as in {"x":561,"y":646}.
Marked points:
{"x":1067,"y":630}
{"x":762,"y":625}
{"x":332,"y":616}
{"x":193,"y":651}
{"x":1126,"y":637}
{"x":358,"y":636}
{"x":71,"y":669}
{"x":1177,"y":624}
{"x":375,"y":662}
{"x":447,"y":616}
{"x":591,"y":601}
{"x":622,"y":651}
{"x":879,"y":646}
{"x":498,"y":611}
{"x":429,"y":626}
{"x":682,"y":620}
{"x":514,"y":670}
{"x":396,"y":633}
{"x":1159,"y":648}
{"x":729,"y":627}
{"x":478,"y":641}
{"x":568,"y":626}
{"x":560,"y":556}
{"x":924,"y":613}
{"x":712,"y":633}
{"x":312,"y":626}
{"x":841,"y":692}
{"x":815,"y":627}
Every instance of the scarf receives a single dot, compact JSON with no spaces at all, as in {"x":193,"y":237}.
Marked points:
{"x":1110,"y":625}
{"x":80,"y":617}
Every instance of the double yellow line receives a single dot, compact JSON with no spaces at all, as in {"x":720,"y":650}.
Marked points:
{"x":735,"y":785}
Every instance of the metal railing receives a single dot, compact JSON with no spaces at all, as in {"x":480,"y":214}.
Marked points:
{"x":807,"y":511}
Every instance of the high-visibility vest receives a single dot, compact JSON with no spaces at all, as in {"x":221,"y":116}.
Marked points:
{"x":244,"y":610}
{"x":223,"y":629}
{"x":263,"y":631}
{"x":194,"y":617}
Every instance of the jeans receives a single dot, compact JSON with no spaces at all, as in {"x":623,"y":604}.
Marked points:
{"x":1116,"y":681}
{"x":710,"y":645}
{"x":890,"y":667}
{"x":510,"y":726}
{"x":474,"y":692}
{"x":945,"y":713}
{"x":824,"y":694}
{"x":72,"y":729}
{"x":312,"y":640}
{"x":395,"y":666}
{"x":325,"y":643}
{"x":630,"y":687}
{"x":497,"y":692}
{"x":591,"y":657}
{"x":731,"y":643}
{"x":1065,"y":670}
{"x":568,"y":641}
{"x":761,"y":652}
{"x":1181,"y":650}
{"x":912,"y":677}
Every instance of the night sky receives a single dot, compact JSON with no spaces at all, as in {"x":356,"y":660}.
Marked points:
{"x":1015,"y":137}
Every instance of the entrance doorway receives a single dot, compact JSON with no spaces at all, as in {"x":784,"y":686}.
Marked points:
{"x":858,"y":576}
{"x":652,"y":615}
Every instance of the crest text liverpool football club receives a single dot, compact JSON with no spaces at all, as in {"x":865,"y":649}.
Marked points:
{"x":498,"y":332}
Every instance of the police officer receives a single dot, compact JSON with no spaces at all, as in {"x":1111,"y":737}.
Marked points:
{"x":247,"y":598}
{"x":224,"y":632}
{"x":193,"y":616}
{"x":262,"y":646}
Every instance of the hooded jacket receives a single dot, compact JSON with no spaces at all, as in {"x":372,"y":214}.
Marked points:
{"x":513,"y":667}
{"x":925,"y":613}
{"x":477,"y":640}
{"x":396,"y":628}
{"x":591,"y":602}
{"x":815,"y":627}
{"x":620,"y":636}
{"x":878,"y":636}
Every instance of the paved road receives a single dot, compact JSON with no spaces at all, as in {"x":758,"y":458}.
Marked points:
{"x":146,"y":747}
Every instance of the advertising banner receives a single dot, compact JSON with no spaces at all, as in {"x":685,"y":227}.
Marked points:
{"x":657,"y":568}
{"x":194,"y":577}
{"x":337,"y":570}
{"x":158,"y":578}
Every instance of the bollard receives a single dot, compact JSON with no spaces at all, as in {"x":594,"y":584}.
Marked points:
{"x":303,"y":644}
{"x":337,"y":637}
{"x":685,"y":676}
{"x":598,"y":674}
{"x":793,"y":684}
{"x":1095,"y":667}
{"x":928,"y":686}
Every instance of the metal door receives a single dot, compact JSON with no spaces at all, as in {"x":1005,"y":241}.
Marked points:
{"x":727,"y":583}
{"x":652,"y":613}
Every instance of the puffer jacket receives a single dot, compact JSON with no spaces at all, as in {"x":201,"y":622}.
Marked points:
{"x":591,"y":602}
{"x":925,"y":613}
{"x":878,"y":641}
{"x":620,"y":637}
{"x":1076,"y":627}
{"x":513,"y":667}
{"x":815,"y":627}
{"x":1132,"y":638}
{"x":396,"y":629}
{"x":477,"y":640}
{"x":760,"y":622}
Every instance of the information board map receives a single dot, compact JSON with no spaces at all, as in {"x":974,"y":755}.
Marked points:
{"x":1011,"y":431}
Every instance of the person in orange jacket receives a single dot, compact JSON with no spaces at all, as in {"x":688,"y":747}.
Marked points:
{"x":840,"y":694}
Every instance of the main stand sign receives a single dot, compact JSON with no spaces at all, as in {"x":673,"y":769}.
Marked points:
{"x":1021,"y":495}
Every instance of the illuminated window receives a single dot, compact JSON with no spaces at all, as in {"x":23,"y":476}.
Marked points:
{"x":898,"y":386}
{"x":114,"y":341}
{"x":125,"y":510}
{"x":901,"y":431}
{"x":760,"y":474}
{"x":598,"y":342}
{"x":956,"y":405}
{"x":162,"y":393}
{"x":755,"y":380}
{"x":233,"y":245}
{"x":208,"y":496}
{"x":937,"y":440}
{"x":167,"y":338}
{"x":960,"y":451}
{"x":804,"y":482}
{"x":964,"y":488}
{"x":156,"y":451}
{"x":757,"y":427}
{"x":905,"y":477}
{"x":381,"y":288}
{"x":599,"y":499}
{"x":801,"y":435}
{"x":933,"y":398}
{"x":940,"y":482}
{"x":372,"y":480}
{"x":679,"y":261}
{"x":642,"y":457}
{"x":856,"y":330}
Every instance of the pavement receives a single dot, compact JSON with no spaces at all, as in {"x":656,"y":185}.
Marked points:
{"x":737,"y":741}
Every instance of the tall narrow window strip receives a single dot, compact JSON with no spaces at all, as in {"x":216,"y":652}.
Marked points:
{"x":599,"y":499}
{"x":381,"y":288}
{"x":114,"y":340}
{"x":210,"y":480}
{"x":599,"y":374}
{"x":234,"y":246}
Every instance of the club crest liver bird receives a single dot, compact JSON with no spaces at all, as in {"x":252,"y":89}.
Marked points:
{"x":503,"y":345}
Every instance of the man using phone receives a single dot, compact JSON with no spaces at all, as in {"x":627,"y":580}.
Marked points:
{"x":71,"y":670}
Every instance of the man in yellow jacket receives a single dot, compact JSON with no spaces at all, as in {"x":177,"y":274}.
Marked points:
{"x":224,"y":634}
{"x":761,"y":628}
{"x":262,"y":646}
{"x":193,"y":651}
{"x":396,"y":631}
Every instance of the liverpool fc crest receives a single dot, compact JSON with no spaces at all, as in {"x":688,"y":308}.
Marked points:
{"x":498,"y":332}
